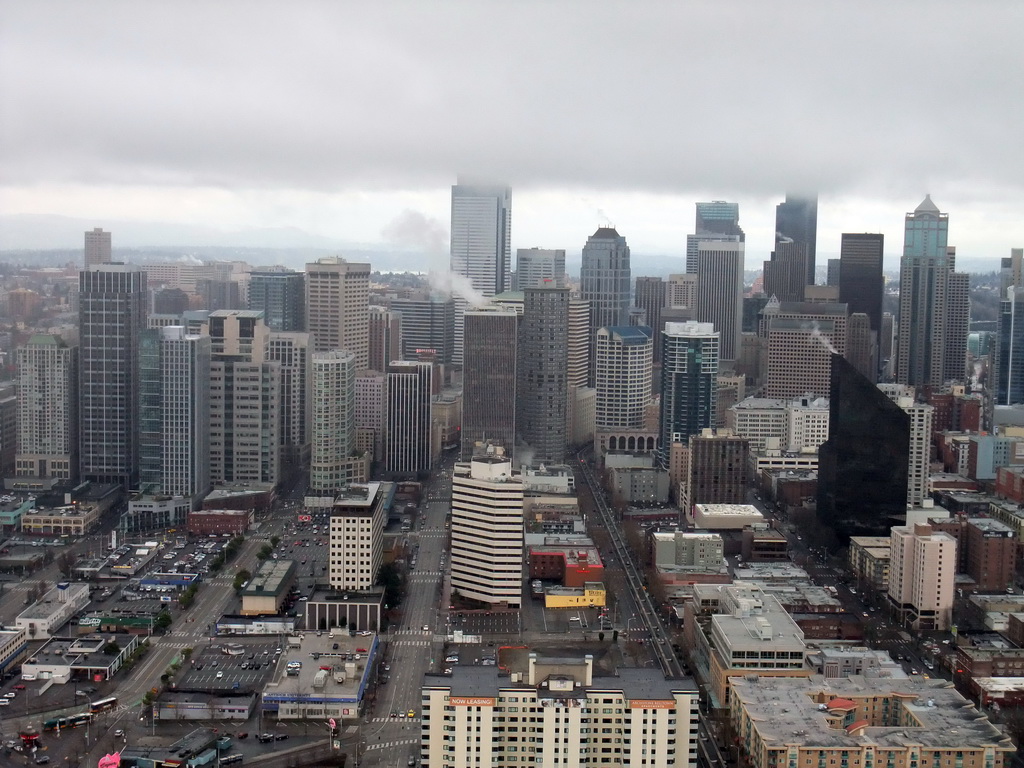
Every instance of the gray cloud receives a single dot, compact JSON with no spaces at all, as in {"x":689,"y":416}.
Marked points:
{"x":744,"y":97}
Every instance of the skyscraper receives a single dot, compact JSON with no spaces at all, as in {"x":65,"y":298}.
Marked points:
{"x":717,"y":221}
{"x":536,"y":265}
{"x":245,"y":400}
{"x":489,"y":379}
{"x":338,"y":307}
{"x":47,"y":409}
{"x":861,"y":283}
{"x":717,"y":470}
{"x":293,"y":353}
{"x":97,"y":247}
{"x":863,"y":466}
{"x":605,"y":278}
{"x":796,"y":221}
{"x":481,"y":244}
{"x":487,"y":531}
{"x":622,"y":376}
{"x":785,"y":275}
{"x":358,"y":518}
{"x":334,"y":420}
{"x":802,"y":336}
{"x":924,"y":286}
{"x":281,"y":296}
{"x":174,"y":413}
{"x":112,"y":316}
{"x":689,"y":382}
{"x":542,"y":372}
{"x":385,"y":337}
{"x":719,"y":270}
{"x":958,"y":321}
{"x":428,"y":323}
{"x":649,"y":295}
{"x":407,"y":431}
{"x":1010,"y":353}
{"x":922,"y":573}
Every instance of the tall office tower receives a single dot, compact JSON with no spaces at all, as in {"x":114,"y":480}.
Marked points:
{"x":535,"y":266}
{"x":338,"y":307}
{"x":487,"y":531}
{"x":861,"y":350}
{"x":1010,"y":354}
{"x":796,"y":220}
{"x":334,"y":420}
{"x":481,"y":244}
{"x":293,"y":351}
{"x":649,"y":295}
{"x":428,"y":323}
{"x":785,"y":274}
{"x":689,"y":382}
{"x":622,"y":376}
{"x":717,"y":221}
{"x":958,"y":321}
{"x":752,"y":308}
{"x":174,"y":413}
{"x":407,"y":430}
{"x":245,"y":400}
{"x":281,"y":295}
{"x":111,"y":318}
{"x":1011,"y":271}
{"x":542,"y":373}
{"x":385,"y":341}
{"x":719,"y":269}
{"x":861,"y":283}
{"x":605,"y":278}
{"x":681,"y":291}
{"x":922,"y":571}
{"x":358,"y":518}
{"x":801,"y":338}
{"x":47,"y":443}
{"x":919,"y":442}
{"x":220,"y":294}
{"x":832,"y":277}
{"x":924,"y":285}
{"x":97,"y":247}
{"x":863,"y":466}
{"x":716,"y":470}
{"x":489,"y":379}
{"x":887,"y":341}
{"x":371,"y":409}
{"x":578,"y":370}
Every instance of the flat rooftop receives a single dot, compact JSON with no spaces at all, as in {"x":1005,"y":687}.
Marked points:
{"x":329,"y":659}
{"x":785,"y":712}
{"x":50,"y":604}
{"x":269,"y":580}
{"x":748,"y":510}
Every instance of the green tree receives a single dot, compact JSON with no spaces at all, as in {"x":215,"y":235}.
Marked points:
{"x":264,"y":552}
{"x":66,"y":564}
{"x":389,"y":577}
{"x":274,"y":541}
{"x":112,"y":648}
{"x":163,"y":621}
{"x":241,"y":577}
{"x":600,"y":637}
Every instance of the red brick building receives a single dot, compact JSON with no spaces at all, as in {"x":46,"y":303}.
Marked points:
{"x":1010,"y":483}
{"x":991,"y":553}
{"x":218,"y":522}
{"x":570,"y":565}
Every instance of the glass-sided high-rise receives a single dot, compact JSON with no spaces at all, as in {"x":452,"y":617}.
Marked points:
{"x":689,"y":382}
{"x":863,"y":466}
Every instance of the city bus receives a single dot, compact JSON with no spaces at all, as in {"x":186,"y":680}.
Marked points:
{"x":70,"y":721}
{"x":102,"y":705}
{"x":229,"y":759}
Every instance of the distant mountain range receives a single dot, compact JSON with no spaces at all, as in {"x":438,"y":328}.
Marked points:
{"x":291,"y":247}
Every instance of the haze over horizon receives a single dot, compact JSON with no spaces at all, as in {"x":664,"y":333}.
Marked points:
{"x":348,"y":124}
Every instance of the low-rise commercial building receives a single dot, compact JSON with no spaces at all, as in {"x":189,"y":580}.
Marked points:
{"x":73,"y":521}
{"x":255,"y":625}
{"x":861,"y":722}
{"x":13,"y":648}
{"x":220,"y":522}
{"x":701,"y":549}
{"x":847,"y":661}
{"x":362,"y":610}
{"x":558,"y":711}
{"x":44,"y":618}
{"x":90,"y":657}
{"x":725,"y":517}
{"x":329,"y":680}
{"x":268,"y":588}
{"x":763,"y":544}
{"x":201,"y":705}
{"x":591,"y":595}
{"x":569,"y":563}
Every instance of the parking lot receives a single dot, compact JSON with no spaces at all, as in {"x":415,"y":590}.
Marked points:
{"x":485,"y":622}
{"x":214,"y":669}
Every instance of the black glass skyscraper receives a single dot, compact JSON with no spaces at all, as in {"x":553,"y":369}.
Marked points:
{"x":861,"y":283}
{"x":796,"y":219}
{"x":862,"y":467}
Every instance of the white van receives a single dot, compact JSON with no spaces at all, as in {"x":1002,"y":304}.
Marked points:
{"x":28,"y":677}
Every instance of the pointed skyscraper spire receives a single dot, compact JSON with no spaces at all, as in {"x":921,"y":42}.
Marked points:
{"x":927,"y":206}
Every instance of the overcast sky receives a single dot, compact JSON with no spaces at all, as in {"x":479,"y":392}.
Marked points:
{"x":340,"y":118}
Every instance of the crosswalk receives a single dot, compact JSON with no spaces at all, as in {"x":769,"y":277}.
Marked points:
{"x":390,"y":744}
{"x":419,"y":576}
{"x":410,"y":643}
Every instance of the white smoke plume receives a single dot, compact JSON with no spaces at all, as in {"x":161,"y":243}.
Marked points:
{"x":415,"y":231}
{"x":821,"y":337}
{"x":447,"y":283}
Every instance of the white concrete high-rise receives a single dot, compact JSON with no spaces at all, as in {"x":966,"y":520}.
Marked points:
{"x":919,"y":455}
{"x":358,"y":518}
{"x":481,"y":244}
{"x":334,"y":420}
{"x":338,"y":307}
{"x":534,"y":266}
{"x":407,"y":431}
{"x":622,"y":376}
{"x":487,"y":531}
{"x":922,"y":569}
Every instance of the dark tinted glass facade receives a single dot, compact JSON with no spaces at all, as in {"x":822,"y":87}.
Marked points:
{"x":862,"y":474}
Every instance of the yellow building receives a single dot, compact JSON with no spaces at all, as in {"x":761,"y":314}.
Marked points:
{"x":590,"y":595}
{"x":861,"y":722}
